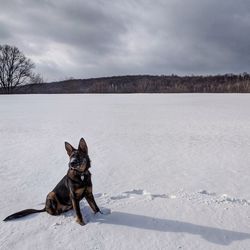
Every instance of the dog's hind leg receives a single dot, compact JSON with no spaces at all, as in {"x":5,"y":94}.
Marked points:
{"x":51,"y":204}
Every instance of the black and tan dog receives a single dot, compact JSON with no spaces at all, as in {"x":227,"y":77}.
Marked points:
{"x":73,"y":187}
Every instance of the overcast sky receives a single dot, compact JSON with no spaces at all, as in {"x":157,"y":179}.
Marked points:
{"x":95,"y":38}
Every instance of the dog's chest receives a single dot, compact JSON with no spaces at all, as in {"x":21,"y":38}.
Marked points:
{"x":80,"y":192}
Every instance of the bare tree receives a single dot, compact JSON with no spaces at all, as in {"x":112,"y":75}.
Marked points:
{"x":36,"y":78}
{"x":15,"y":68}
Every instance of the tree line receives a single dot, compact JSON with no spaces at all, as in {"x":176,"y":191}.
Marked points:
{"x":228,"y":83}
{"x":17,"y":76}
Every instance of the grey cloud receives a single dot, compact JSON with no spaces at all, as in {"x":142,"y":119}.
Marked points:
{"x":101,"y":38}
{"x":4,"y":32}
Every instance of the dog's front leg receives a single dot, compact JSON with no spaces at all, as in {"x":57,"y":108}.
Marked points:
{"x":91,"y":200}
{"x":76,"y":206}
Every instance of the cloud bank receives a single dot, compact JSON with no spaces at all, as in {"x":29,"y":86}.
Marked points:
{"x":83,"y":39}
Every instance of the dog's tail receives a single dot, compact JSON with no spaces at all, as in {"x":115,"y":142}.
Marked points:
{"x":23,"y":213}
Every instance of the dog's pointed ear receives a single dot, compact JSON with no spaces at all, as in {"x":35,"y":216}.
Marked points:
{"x":82,"y":147}
{"x":69,"y":148}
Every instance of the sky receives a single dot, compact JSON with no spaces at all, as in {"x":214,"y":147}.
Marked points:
{"x":83,"y":39}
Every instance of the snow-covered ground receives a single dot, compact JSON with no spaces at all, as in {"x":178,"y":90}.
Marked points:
{"x":173,"y":169}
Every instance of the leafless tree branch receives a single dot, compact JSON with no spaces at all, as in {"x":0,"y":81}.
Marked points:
{"x":15,"y":68}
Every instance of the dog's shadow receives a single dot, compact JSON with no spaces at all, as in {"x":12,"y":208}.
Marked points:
{"x":211,"y":234}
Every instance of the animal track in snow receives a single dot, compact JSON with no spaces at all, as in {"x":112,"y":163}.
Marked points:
{"x":227,"y":199}
{"x":140,"y":192}
{"x":204,"y":196}
{"x":224,"y":198}
{"x":206,"y":192}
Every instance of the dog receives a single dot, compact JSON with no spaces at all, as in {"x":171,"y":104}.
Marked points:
{"x":73,"y":187}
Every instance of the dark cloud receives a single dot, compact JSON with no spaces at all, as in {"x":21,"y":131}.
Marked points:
{"x":101,"y":38}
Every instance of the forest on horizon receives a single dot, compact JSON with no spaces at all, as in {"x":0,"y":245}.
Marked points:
{"x":227,"y":83}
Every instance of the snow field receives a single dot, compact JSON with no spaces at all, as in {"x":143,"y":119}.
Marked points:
{"x":169,"y":171}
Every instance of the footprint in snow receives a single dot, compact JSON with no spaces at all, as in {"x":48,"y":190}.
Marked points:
{"x":140,"y":192}
{"x":224,"y":198}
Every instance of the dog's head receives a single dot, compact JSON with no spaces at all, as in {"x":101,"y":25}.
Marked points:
{"x":78,"y":158}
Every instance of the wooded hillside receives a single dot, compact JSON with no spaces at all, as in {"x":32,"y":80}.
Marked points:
{"x":228,"y":83}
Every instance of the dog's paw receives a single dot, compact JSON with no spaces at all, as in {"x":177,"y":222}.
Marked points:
{"x":80,"y":222}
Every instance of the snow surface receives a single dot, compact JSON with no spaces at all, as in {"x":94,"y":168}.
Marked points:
{"x":173,"y":169}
